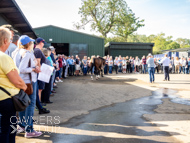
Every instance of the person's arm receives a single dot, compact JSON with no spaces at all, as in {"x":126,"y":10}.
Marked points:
{"x":23,"y":67}
{"x":38,"y":62}
{"x":16,"y":80}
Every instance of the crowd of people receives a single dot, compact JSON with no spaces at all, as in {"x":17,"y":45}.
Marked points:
{"x":20,"y":64}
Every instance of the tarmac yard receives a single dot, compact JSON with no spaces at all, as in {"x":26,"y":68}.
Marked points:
{"x":122,"y":108}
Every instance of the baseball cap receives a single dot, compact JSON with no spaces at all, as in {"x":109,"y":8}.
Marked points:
{"x":24,"y":39}
{"x":10,"y":27}
{"x":38,"y":40}
{"x":149,"y":54}
{"x":52,"y":48}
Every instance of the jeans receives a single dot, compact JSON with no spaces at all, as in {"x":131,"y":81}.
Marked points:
{"x":120,"y":70}
{"x":53,"y":79}
{"x":151,"y":73}
{"x":180,"y":68}
{"x":166,"y":72}
{"x":183,"y":69}
{"x":110,"y":69}
{"x":60,"y":72}
{"x":26,"y":116}
{"x":8,"y":121}
{"x":84,"y":70}
{"x":188,"y":69}
{"x":143,"y":68}
{"x":106,"y":69}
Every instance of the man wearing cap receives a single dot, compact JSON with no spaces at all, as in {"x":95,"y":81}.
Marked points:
{"x":150,"y":63}
{"x":41,"y":85}
{"x":166,"y":61}
{"x":11,"y":46}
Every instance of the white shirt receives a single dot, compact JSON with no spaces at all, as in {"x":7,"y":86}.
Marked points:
{"x":165,"y":61}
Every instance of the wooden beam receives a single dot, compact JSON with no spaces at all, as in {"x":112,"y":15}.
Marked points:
{"x":28,"y":33}
{"x":8,"y":10}
{"x":21,"y":25}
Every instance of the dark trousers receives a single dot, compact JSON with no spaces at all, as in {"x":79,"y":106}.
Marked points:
{"x":71,"y":70}
{"x":128,"y":68}
{"x":166,"y":72}
{"x":63,"y":73}
{"x":38,"y":103}
{"x":116,"y":68}
{"x":8,"y":121}
{"x":106,"y":69}
{"x":47,"y":91}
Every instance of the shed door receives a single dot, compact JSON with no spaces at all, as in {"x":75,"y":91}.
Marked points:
{"x":79,"y":49}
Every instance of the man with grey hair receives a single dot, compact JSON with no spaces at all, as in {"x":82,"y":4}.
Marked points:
{"x":13,"y":45}
{"x":150,"y":63}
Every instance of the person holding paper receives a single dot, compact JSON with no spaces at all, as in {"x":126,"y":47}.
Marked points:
{"x":41,"y":85}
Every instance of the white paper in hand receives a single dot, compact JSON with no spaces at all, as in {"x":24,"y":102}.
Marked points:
{"x":45,"y":73}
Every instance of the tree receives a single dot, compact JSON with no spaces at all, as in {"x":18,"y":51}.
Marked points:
{"x":127,"y":24}
{"x":104,"y":15}
{"x":172,"y":45}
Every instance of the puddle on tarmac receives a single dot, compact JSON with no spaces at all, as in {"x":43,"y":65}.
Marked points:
{"x":171,"y":94}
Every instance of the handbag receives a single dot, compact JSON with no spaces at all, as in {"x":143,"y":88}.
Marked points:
{"x":20,"y":100}
{"x":29,"y":89}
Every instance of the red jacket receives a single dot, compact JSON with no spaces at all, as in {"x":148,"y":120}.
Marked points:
{"x":60,"y":61}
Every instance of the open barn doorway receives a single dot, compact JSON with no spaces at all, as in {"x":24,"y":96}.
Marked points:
{"x":61,"y":48}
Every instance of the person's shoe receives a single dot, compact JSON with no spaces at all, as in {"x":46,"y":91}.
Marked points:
{"x":51,"y":94}
{"x":53,"y":91}
{"x":55,"y":84}
{"x":55,"y":87}
{"x":60,"y":81}
{"x":43,"y":104}
{"x":56,"y":81}
{"x":32,"y":134}
{"x":20,"y":130}
{"x":164,"y":80}
{"x":48,"y":102}
{"x":44,"y":111}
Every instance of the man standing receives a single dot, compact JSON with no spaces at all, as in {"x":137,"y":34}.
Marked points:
{"x":166,"y":61}
{"x":150,"y":63}
{"x":41,"y":85}
{"x":143,"y":65}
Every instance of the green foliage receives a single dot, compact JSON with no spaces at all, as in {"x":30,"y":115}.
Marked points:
{"x":107,"y":16}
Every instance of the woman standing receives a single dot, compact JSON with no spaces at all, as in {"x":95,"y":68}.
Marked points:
{"x":137,"y":64}
{"x":28,"y":72}
{"x":12,"y":82}
{"x":110,"y":64}
{"x":116,"y":65}
{"x":85,"y":64}
{"x":77,"y":66}
{"x":124,"y":65}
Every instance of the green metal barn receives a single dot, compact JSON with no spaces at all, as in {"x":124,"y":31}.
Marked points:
{"x":128,"y":49}
{"x":70,"y":42}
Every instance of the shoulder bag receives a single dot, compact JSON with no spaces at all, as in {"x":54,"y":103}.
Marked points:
{"x":20,"y":100}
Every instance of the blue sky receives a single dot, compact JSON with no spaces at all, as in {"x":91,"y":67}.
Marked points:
{"x":171,"y":17}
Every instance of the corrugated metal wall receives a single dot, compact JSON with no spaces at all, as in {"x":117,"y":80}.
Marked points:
{"x":60,"y":35}
{"x":129,"y":49}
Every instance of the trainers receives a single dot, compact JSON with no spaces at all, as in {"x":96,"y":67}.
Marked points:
{"x":60,"y":81}
{"x":20,"y":130}
{"x":33,"y":134}
{"x":43,"y":111}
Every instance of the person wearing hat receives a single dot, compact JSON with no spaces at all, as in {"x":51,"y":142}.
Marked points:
{"x":11,"y":47}
{"x":25,"y":60}
{"x":150,"y":63}
{"x":40,"y":57}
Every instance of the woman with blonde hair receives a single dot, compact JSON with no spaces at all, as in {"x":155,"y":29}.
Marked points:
{"x":11,"y":82}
